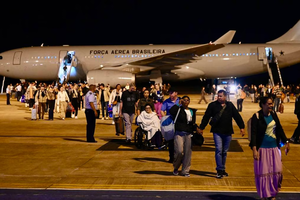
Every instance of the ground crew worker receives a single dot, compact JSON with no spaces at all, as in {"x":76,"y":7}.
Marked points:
{"x":91,"y":113}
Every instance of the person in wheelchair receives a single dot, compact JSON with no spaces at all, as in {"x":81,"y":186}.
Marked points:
{"x":150,"y":123}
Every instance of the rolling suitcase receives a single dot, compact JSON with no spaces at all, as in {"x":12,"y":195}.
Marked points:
{"x":281,"y":108}
{"x":119,"y":125}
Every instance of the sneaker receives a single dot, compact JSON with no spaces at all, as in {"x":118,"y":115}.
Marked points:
{"x":76,"y":117}
{"x":219,"y":174}
{"x":224,"y":173}
{"x":63,"y":118}
{"x":113,"y":122}
{"x":102,"y":118}
{"x":106,"y":118}
{"x":73,"y":115}
{"x":175,"y":172}
{"x":186,"y":175}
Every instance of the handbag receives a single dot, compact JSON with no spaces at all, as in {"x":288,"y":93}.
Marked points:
{"x":197,"y":139}
{"x":216,"y":118}
{"x":168,"y":126}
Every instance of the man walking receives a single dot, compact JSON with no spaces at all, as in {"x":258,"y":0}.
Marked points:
{"x":165,"y":110}
{"x":91,"y":113}
{"x":220,"y":114}
{"x":127,"y":109}
{"x":8,"y":93}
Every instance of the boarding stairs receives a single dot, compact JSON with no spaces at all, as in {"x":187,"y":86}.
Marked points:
{"x":65,"y":70}
{"x":274,"y":72}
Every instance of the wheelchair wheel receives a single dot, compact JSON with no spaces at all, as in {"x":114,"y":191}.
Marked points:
{"x":139,"y":138}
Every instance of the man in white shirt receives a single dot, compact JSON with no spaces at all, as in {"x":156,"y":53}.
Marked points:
{"x":18,"y":90}
{"x":8,"y":93}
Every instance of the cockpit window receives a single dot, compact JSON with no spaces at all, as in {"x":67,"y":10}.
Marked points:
{"x":1,"y":57}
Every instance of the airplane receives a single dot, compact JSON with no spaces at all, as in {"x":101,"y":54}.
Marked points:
{"x":123,"y":64}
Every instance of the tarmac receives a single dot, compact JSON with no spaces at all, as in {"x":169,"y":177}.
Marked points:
{"x":54,"y":155}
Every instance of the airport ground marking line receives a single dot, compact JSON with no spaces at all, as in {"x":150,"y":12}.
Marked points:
{"x":142,"y":190}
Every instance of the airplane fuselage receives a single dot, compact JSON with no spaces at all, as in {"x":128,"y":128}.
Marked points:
{"x":233,"y":60}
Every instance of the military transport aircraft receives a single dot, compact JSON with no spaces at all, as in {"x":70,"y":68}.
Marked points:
{"x":122,"y":64}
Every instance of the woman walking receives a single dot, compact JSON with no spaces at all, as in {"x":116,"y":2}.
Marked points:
{"x":266,"y":136}
{"x":184,"y":126}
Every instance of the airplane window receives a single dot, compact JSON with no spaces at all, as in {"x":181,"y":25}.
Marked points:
{"x":38,"y":57}
{"x":55,"y":57}
{"x":206,"y":55}
{"x":237,"y":54}
{"x":102,"y":56}
{"x":122,"y":56}
{"x":48,"y":57}
{"x":45,"y":57}
{"x":115,"y":56}
{"x":240,"y":54}
{"x":233,"y":54}
{"x":254,"y":54}
{"x":250,"y":54}
{"x":135,"y":56}
{"x":118,"y":56}
{"x":213,"y":54}
{"x":223,"y":54}
{"x":145,"y":56}
{"x":1,"y":57}
{"x":217,"y":54}
{"x":98,"y":56}
{"x":226,"y":54}
{"x":243,"y":54}
{"x":247,"y":54}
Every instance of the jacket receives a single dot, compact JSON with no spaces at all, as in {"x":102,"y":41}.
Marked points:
{"x":106,"y":94}
{"x":258,"y":130}
{"x":113,"y":96}
{"x":181,"y":122}
{"x":224,"y":124}
{"x":41,"y":98}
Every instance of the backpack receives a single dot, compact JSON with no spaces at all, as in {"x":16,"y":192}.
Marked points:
{"x":249,"y":126}
{"x":168,"y":126}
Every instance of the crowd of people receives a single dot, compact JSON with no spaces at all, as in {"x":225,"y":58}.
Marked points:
{"x":150,"y":105}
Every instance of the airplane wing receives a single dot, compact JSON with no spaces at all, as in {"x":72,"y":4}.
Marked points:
{"x":179,"y":57}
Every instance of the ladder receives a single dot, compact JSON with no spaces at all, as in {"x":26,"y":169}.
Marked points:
{"x":274,"y":72}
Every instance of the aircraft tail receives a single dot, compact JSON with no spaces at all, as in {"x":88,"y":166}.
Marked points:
{"x":226,"y":38}
{"x":292,"y":36}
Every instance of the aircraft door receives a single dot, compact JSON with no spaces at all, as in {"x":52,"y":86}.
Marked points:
{"x":17,"y":58}
{"x":261,"y":53}
{"x":62,"y":54}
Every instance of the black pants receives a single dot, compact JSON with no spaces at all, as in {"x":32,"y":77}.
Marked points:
{"x":297,"y":130}
{"x":91,"y":124}
{"x":157,"y":139}
{"x":19,"y":95}
{"x":51,"y":108}
{"x":171,"y":149}
{"x":75,"y":105}
{"x":31,"y":103}
{"x":104,"y":108}
{"x":7,"y":99}
{"x":240,"y":105}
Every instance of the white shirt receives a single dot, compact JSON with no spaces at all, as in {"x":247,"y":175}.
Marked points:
{"x":8,"y":91}
{"x":19,"y":88}
{"x":188,"y":115}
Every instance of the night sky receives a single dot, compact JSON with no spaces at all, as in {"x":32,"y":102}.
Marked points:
{"x":127,"y":22}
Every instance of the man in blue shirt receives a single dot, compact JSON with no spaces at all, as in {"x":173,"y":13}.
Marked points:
{"x":166,"y":106}
{"x":91,"y":113}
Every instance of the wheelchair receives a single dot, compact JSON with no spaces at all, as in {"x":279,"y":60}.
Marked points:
{"x":141,"y":140}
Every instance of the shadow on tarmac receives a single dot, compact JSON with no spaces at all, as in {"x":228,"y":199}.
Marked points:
{"x":168,"y":173}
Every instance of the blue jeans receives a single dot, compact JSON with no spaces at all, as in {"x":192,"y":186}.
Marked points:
{"x":222,"y":143}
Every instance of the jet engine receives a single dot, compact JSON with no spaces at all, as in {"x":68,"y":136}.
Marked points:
{"x":110,"y":77}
